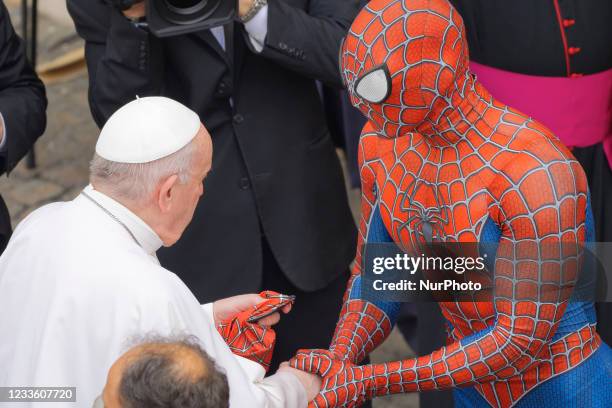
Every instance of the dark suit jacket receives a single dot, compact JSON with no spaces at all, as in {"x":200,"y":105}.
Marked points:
{"x":275,"y":171}
{"x":22,"y":105}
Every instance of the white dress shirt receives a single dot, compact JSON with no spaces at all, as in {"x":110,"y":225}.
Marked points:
{"x":257,"y":28}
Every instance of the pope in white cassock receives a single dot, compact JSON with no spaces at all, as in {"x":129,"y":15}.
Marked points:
{"x":80,"y":278}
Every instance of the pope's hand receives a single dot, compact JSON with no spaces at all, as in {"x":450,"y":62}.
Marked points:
{"x":226,"y":309}
{"x":311,"y":382}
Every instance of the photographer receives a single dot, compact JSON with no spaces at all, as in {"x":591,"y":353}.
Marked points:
{"x":275,"y":207}
{"x":23,"y":105}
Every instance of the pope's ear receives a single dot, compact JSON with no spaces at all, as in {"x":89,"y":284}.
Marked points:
{"x":167,"y":193}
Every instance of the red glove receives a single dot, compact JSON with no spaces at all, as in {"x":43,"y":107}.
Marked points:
{"x":246,"y":338}
{"x":344,"y":384}
{"x":348,"y":385}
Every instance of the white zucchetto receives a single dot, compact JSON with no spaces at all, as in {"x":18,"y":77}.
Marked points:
{"x":147,"y":129}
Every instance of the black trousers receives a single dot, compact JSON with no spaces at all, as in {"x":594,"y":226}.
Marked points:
{"x":312,"y":320}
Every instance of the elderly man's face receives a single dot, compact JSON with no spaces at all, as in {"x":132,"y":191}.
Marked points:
{"x":186,"y":195}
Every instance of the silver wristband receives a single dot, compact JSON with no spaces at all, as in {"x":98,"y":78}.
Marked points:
{"x":257,"y":5}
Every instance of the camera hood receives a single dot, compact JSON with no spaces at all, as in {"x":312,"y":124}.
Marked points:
{"x":175,"y":17}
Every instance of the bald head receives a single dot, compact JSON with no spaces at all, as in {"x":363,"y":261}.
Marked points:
{"x":164,"y":372}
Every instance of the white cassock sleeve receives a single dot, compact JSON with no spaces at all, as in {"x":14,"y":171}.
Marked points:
{"x":282,"y":389}
{"x":248,"y":387}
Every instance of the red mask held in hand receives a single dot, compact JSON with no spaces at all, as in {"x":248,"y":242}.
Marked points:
{"x":246,"y":337}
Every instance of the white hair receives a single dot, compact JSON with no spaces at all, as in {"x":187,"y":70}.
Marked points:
{"x":137,"y":181}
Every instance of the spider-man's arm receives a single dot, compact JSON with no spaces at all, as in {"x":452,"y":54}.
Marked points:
{"x":363,"y":325}
{"x":546,"y":207}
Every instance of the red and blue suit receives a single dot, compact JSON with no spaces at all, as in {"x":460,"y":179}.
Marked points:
{"x":442,"y":161}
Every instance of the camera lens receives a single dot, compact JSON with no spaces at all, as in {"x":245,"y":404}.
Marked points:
{"x":183,"y":3}
{"x":185,"y":6}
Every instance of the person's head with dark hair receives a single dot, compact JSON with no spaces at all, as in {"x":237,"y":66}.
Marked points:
{"x":164,"y":372}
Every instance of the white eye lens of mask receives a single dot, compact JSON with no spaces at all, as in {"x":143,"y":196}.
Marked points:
{"x":374,"y":86}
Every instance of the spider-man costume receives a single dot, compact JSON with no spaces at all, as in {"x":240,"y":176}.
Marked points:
{"x":443,"y":161}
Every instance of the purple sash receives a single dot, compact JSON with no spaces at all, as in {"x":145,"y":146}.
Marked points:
{"x":578,"y":110}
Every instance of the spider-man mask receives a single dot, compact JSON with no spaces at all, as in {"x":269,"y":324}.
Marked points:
{"x":401,"y":60}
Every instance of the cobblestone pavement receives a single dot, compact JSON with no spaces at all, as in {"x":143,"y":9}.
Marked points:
{"x":64,"y":151}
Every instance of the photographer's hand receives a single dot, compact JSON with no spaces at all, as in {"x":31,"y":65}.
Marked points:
{"x":138,"y":10}
{"x":244,"y":6}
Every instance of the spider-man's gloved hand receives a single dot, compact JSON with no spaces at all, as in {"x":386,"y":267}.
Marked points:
{"x":348,"y":385}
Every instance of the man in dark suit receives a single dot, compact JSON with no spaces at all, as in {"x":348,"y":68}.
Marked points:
{"x":22,"y":108}
{"x":275,"y":213}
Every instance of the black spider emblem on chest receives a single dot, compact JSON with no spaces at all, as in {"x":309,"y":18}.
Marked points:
{"x":425,"y":221}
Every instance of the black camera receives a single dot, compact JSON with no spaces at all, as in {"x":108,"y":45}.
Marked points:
{"x":174,"y":17}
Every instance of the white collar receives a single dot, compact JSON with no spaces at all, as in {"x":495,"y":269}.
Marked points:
{"x":140,"y":231}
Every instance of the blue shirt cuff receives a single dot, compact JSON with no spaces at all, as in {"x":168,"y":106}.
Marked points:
{"x":257,"y":28}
